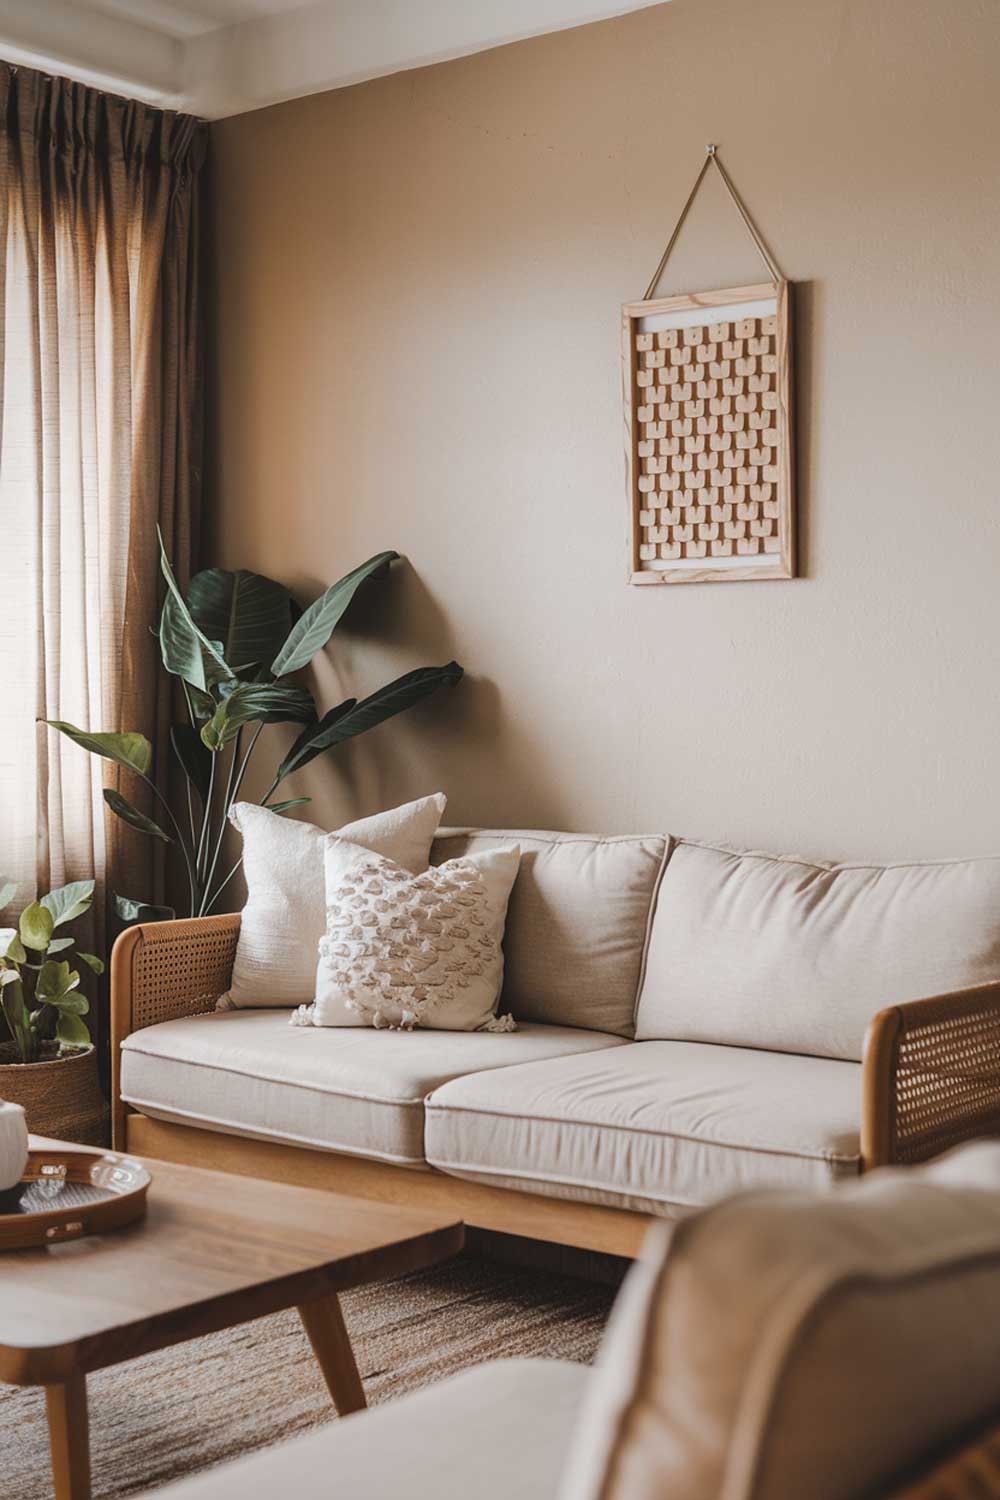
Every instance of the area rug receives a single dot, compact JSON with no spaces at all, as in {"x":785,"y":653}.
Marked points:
{"x":198,"y":1404}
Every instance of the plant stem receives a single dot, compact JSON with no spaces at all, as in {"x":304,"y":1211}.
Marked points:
{"x":201,"y":858}
{"x":232,"y":785}
{"x":232,"y":792}
{"x":219,"y":889}
{"x":270,"y":791}
{"x":187,"y":779}
{"x":180,"y":838}
{"x":246,"y":762}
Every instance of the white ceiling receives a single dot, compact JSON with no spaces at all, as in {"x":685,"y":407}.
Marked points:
{"x":222,"y":57}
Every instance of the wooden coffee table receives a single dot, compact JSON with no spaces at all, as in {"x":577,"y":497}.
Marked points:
{"x":214,"y":1250}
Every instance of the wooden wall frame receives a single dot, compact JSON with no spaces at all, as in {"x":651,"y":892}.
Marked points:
{"x":740,"y":532}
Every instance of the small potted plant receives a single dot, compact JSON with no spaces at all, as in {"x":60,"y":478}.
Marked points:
{"x":47,"y":1061}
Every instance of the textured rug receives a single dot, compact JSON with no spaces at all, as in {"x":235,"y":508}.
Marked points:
{"x":215,"y":1398}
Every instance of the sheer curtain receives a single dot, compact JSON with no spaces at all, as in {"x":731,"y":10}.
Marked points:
{"x":100,"y":441}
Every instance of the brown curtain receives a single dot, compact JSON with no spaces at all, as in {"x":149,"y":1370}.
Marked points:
{"x":100,"y":442}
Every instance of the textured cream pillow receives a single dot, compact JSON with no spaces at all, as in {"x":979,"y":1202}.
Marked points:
{"x":285,"y":910}
{"x":407,"y":950}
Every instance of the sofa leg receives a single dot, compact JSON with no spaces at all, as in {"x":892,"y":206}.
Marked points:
{"x":324,"y":1324}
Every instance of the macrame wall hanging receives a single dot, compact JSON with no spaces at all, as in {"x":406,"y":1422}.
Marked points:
{"x":708,"y":425}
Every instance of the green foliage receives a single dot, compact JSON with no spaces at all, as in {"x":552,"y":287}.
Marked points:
{"x":68,"y":903}
{"x":257,"y":703}
{"x":40,"y":996}
{"x":187,"y":652}
{"x":352,"y":718}
{"x":312,"y":631}
{"x":35,"y":927}
{"x":233,"y":642}
{"x":128,"y":912}
{"x":130,"y":750}
{"x":248,"y":614}
{"x":131,"y":815}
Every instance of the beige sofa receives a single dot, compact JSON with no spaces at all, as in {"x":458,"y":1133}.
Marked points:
{"x":692,"y":1022}
{"x":778,"y":1345}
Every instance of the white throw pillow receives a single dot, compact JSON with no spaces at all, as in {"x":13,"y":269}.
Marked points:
{"x":285,"y":911}
{"x":405,"y":950}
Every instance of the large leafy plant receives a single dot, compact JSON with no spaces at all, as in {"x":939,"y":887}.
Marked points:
{"x":39,"y":994}
{"x":234,"y":642}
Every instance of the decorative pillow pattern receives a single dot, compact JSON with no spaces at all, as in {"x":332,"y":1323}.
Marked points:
{"x":404,"y":950}
{"x":285,"y":908}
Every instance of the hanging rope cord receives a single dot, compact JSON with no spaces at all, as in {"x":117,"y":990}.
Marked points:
{"x":765,"y":255}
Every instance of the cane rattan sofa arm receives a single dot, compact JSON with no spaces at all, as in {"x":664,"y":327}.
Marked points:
{"x":931,"y":1076}
{"x":162,"y":970}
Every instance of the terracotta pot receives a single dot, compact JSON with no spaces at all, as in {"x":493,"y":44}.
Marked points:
{"x":61,"y":1096}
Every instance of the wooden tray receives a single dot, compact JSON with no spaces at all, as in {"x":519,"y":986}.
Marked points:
{"x":66,"y":1194}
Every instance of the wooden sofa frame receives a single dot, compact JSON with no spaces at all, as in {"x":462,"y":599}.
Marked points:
{"x":931,"y":1078}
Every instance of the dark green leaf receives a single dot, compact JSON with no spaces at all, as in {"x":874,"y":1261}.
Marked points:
{"x":280,"y":807}
{"x":128,"y":912}
{"x":131,"y":750}
{"x":91,"y":960}
{"x":252,"y":702}
{"x":250,"y":615}
{"x":313,"y":629}
{"x":352,"y":718}
{"x":72,"y":1031}
{"x":35,"y":927}
{"x":195,"y":758}
{"x":8,"y":890}
{"x":314,"y":734}
{"x":187,"y":652}
{"x":131,"y":815}
{"x":69,"y":901}
{"x":203,"y":704}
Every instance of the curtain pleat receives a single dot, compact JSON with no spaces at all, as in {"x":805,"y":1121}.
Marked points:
{"x":100,"y":442}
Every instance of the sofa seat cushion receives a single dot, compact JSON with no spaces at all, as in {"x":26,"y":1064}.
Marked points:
{"x":760,"y":950}
{"x":357,"y":1090}
{"x":499,"y":1432}
{"x":659,"y":1127}
{"x":577,"y":923}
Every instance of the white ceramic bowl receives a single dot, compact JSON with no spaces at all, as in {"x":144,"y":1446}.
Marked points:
{"x":13,"y":1144}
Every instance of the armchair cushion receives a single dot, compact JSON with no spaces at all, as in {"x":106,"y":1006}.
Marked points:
{"x":789,"y":1344}
{"x":499,"y":1432}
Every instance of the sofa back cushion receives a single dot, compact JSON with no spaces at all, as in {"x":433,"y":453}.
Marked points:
{"x":577,"y":923}
{"x":802,"y":1344}
{"x":756,"y":950}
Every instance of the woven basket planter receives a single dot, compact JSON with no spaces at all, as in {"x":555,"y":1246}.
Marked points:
{"x":61,"y":1096}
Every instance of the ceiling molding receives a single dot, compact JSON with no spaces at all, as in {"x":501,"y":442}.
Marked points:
{"x":223,"y":57}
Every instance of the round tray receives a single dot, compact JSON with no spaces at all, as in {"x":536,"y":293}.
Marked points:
{"x":66,"y":1194}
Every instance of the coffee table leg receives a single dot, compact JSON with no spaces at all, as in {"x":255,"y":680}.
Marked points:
{"x":69,"y":1438}
{"x":324,"y":1323}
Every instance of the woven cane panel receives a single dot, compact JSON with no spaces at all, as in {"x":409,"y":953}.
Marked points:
{"x":183,"y":973}
{"x":708,"y":441}
{"x":947,"y":1083}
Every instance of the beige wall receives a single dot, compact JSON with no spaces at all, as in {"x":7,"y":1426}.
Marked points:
{"x":417,"y":346}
